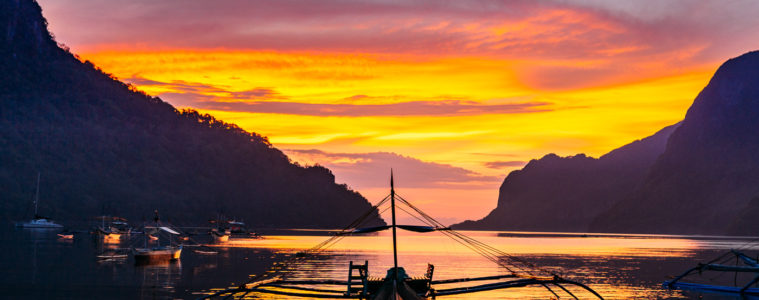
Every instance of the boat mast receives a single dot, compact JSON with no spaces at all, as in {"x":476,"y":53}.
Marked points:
{"x":37,"y":195}
{"x":392,"y":205}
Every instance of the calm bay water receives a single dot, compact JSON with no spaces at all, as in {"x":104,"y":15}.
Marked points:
{"x":37,"y":264}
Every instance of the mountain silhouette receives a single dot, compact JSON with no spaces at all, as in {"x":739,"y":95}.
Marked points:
{"x":566,"y":193}
{"x":705,"y":180}
{"x":700,"y":176}
{"x":102,"y":146}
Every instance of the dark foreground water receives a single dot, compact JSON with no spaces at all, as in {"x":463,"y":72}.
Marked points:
{"x":36,"y":264}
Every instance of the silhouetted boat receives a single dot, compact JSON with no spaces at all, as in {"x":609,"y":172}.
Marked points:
{"x":396,"y":284}
{"x":39,"y":221}
{"x":742,"y":264}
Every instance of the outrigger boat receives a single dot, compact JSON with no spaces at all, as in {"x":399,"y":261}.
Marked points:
{"x":397,"y":284}
{"x":745,"y":267}
{"x":158,"y":254}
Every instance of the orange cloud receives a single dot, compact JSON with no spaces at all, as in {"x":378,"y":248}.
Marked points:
{"x":477,"y":85}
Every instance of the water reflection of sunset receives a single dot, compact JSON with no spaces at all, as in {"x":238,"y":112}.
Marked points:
{"x":601,"y":260}
{"x":438,"y":245}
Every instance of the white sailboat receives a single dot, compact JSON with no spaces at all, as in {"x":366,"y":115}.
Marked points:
{"x":38,"y":221}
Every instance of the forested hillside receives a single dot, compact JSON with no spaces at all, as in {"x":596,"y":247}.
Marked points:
{"x":102,"y":147}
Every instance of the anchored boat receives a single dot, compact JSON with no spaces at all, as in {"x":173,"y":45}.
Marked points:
{"x":396,"y":284}
{"x":39,"y":221}
{"x":220,"y":233}
{"x":158,"y":254}
{"x":734,"y":262}
{"x":112,"y":228}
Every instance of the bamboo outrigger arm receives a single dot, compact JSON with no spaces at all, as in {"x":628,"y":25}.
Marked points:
{"x":288,"y":288}
{"x":751,"y":266}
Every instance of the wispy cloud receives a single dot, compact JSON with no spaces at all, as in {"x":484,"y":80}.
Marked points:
{"x":504,"y":164}
{"x":584,"y":42}
{"x":257,"y":93}
{"x":176,"y":85}
{"x":412,"y":108}
{"x":268,"y":100}
{"x":370,"y":170}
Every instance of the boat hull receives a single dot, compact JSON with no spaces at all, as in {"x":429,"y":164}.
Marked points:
{"x":156,"y":256}
{"x":220,"y":238}
{"x":39,"y":224}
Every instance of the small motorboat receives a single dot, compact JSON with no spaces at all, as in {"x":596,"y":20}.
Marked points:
{"x":69,"y":236}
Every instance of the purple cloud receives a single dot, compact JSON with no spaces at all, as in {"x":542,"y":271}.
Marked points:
{"x":370,"y":170}
{"x":504,"y":164}
{"x":555,"y":29}
{"x":257,"y":93}
{"x":178,"y":85}
{"x":412,"y":108}
{"x":257,"y":100}
{"x":563,"y":44}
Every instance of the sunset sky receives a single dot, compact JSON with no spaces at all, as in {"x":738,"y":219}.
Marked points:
{"x":453,"y":95}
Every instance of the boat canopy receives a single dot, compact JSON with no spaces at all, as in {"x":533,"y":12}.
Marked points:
{"x":169,"y":230}
{"x":164,"y":228}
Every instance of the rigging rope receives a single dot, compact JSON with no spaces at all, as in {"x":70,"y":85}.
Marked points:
{"x":524,"y":269}
{"x":483,"y":249}
{"x":282,"y":267}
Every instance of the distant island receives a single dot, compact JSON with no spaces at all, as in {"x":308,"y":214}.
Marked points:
{"x":700,"y":176}
{"x":103,"y":147}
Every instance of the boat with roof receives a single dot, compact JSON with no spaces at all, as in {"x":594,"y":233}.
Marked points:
{"x":168,"y":252}
{"x":396,"y":283}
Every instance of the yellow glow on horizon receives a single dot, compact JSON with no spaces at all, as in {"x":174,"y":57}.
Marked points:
{"x":319,"y":78}
{"x":591,"y":120}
